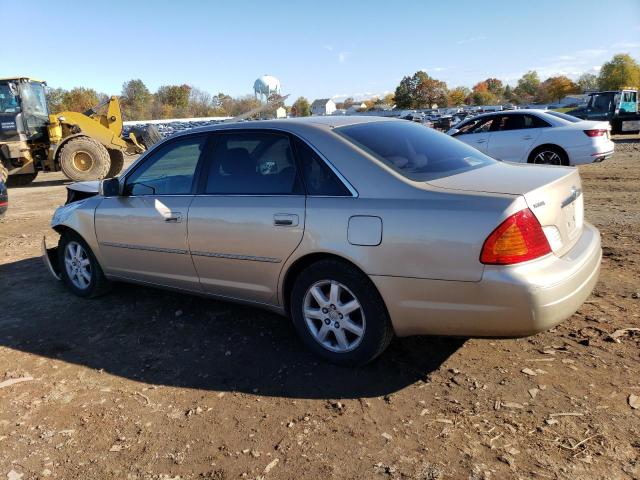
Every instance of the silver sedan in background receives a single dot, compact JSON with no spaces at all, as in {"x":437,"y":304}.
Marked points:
{"x":357,"y":228}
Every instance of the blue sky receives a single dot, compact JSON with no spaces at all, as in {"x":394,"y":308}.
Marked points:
{"x":316,"y":48}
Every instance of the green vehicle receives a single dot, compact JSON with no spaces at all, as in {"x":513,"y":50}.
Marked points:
{"x":619,"y":107}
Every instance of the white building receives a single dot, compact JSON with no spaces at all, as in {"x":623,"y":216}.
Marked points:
{"x":323,"y":106}
{"x":281,"y":112}
{"x":355,"y":108}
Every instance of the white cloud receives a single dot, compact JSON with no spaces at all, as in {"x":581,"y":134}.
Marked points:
{"x":328,"y":48}
{"x":343,"y":56}
{"x":433,"y":69}
{"x":477,"y":38}
{"x":626,"y":45}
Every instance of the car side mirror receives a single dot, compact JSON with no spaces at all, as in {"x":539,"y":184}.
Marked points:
{"x":454,"y":131}
{"x":110,"y":187}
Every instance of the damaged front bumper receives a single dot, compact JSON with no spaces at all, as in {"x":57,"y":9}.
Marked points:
{"x":50,"y":259}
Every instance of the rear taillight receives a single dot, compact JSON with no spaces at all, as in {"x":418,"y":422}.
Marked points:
{"x":595,"y":133}
{"x":518,"y":239}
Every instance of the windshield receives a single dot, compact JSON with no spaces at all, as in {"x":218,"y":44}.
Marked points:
{"x":33,"y":98}
{"x":8,"y":102}
{"x":417,"y":152}
{"x":564,"y":116}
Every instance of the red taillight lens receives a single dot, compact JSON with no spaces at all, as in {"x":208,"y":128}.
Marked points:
{"x":518,"y":239}
{"x":595,"y":133}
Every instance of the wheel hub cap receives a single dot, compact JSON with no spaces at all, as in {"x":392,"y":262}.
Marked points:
{"x":77,"y":265}
{"x":82,"y":161}
{"x":334,"y":316}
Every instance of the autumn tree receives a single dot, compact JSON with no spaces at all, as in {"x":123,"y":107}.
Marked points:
{"x":301,"y":108}
{"x":80,"y":99}
{"x":587,"y":82}
{"x":55,"y":99}
{"x":420,"y":91}
{"x":457,"y":96}
{"x":556,"y":88}
{"x":622,"y":71}
{"x":527,"y":87}
{"x":135,"y":100}
{"x":174,"y":98}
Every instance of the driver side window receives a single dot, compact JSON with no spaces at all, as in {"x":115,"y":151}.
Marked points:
{"x":169,"y":171}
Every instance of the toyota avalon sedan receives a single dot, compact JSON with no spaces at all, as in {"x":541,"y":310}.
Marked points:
{"x":357,"y":228}
{"x":536,"y":136}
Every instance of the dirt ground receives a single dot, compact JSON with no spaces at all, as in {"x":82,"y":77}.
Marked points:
{"x":145,"y":384}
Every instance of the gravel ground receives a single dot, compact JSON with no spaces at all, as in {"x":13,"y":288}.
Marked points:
{"x":144,"y":384}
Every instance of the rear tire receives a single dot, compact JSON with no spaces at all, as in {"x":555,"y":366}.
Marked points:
{"x":148,"y":135}
{"x":117,"y":162}
{"x":79,"y":269}
{"x":83,"y":158}
{"x":549,"y":155}
{"x":21,"y":180}
{"x":348,"y":327}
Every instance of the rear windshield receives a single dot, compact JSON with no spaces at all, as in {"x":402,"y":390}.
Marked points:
{"x":564,"y":116}
{"x":417,"y":152}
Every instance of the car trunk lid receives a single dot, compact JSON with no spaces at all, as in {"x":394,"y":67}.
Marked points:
{"x":553,"y":194}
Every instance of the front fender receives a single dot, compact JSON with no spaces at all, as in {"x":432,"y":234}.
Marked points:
{"x":79,"y":216}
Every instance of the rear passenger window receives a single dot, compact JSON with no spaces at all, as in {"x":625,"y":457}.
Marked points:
{"x":318,"y":177}
{"x":248,"y":163}
{"x":531,"y":121}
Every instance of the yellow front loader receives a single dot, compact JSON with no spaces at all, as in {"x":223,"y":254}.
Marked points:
{"x":84,"y":146}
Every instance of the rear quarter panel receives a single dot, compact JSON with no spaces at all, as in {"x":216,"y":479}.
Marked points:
{"x":436,"y":235}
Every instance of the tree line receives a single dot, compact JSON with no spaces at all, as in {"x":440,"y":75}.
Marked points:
{"x":169,"y":101}
{"x":423,"y":91}
{"x":416,"y":91}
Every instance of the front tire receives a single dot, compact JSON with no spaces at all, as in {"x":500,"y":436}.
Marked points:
{"x":339,"y":314}
{"x":83,"y":158}
{"x":80,"y":270}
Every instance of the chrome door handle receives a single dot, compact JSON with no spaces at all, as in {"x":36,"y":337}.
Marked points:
{"x":285,"y":220}
{"x":173,"y":217}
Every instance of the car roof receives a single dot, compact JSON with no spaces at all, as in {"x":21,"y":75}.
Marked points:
{"x":319,"y":122}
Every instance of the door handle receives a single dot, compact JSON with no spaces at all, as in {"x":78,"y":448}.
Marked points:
{"x":173,"y":217}
{"x":527,"y":137}
{"x":480,"y":141}
{"x":285,"y":220}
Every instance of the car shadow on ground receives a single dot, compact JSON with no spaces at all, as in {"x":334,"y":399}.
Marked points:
{"x":165,"y":338}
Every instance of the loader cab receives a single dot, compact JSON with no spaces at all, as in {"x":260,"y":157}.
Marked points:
{"x":24,"y":113}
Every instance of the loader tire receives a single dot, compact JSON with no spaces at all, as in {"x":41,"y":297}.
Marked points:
{"x":4,"y":173}
{"x":117,"y":162}
{"x":21,"y":180}
{"x":83,"y":158}
{"x":148,"y":135}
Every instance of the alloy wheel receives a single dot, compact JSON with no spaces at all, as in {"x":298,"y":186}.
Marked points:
{"x":334,"y":316}
{"x":548,"y":157}
{"x":77,"y":265}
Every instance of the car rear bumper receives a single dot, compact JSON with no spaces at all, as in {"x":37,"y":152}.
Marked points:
{"x":509,"y":301}
{"x":591,"y":153}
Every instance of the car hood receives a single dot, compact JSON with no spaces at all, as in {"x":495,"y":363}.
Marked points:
{"x":81,"y":190}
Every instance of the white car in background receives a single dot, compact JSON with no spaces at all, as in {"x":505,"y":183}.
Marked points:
{"x":535,"y":136}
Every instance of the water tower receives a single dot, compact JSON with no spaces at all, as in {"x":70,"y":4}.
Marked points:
{"x":265,"y":86}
